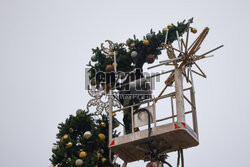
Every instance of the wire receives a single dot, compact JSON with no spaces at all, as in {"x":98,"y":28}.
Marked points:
{"x":153,"y":153}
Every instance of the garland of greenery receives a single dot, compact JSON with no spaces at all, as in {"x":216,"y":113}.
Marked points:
{"x":82,"y":141}
{"x":134,"y":53}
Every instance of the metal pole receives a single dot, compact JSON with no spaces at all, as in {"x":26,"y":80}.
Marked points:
{"x":179,"y":95}
{"x":194,"y":113}
{"x":110,"y":114}
{"x":172,"y":108}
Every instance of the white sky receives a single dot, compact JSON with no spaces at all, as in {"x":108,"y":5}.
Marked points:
{"x":44,"y":46}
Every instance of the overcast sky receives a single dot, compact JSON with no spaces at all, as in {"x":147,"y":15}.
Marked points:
{"x":45,"y":45}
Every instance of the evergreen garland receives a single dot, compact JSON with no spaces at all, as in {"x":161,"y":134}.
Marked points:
{"x":150,"y":45}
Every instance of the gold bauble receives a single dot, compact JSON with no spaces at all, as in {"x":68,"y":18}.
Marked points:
{"x":194,"y":30}
{"x":113,"y":65}
{"x":170,"y":26}
{"x":65,"y":137}
{"x":102,"y":136}
{"x":103,"y":124}
{"x":111,"y":53}
{"x":82,"y":154}
{"x":71,"y":130}
{"x":165,"y":29}
{"x":104,"y":160}
{"x":69,"y":144}
{"x":113,"y":114}
{"x":146,"y":42}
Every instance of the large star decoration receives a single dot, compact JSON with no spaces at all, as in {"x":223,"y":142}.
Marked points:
{"x":186,"y":57}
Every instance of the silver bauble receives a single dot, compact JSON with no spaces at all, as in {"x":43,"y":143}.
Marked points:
{"x":133,"y":54}
{"x":93,"y":58}
{"x":79,"y":111}
{"x":149,"y":35}
{"x":87,"y":134}
{"x":54,"y":148}
{"x":79,"y":162}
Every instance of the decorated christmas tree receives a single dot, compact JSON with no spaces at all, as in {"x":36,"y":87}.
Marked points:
{"x":82,"y":141}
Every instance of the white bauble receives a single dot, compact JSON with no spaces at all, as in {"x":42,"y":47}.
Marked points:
{"x":149,"y":35}
{"x":54,"y":148}
{"x":87,"y":134}
{"x":133,"y":54}
{"x":79,"y":111}
{"x":79,"y":162}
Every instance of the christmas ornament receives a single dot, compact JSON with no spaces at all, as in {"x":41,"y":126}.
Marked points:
{"x":93,"y":82}
{"x":87,"y":135}
{"x":79,"y":162}
{"x":103,"y":124}
{"x":150,"y":58}
{"x":54,"y":148}
{"x":93,"y":58}
{"x":111,"y":53}
{"x":194,"y":30}
{"x":113,"y":65}
{"x":132,"y":45}
{"x":128,"y":42}
{"x":146,"y":42}
{"x":65,"y":137}
{"x":109,"y":68}
{"x":104,"y":160}
{"x":71,"y":130}
{"x":79,"y":111}
{"x":133,"y":54}
{"x":82,"y":154}
{"x":102,"y":151}
{"x":101,"y":136}
{"x":170,"y":26}
{"x":149,"y":35}
{"x":69,"y":144}
{"x":113,"y":114}
{"x":165,"y":29}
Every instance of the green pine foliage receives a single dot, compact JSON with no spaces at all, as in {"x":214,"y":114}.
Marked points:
{"x":75,"y":127}
{"x":126,"y":63}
